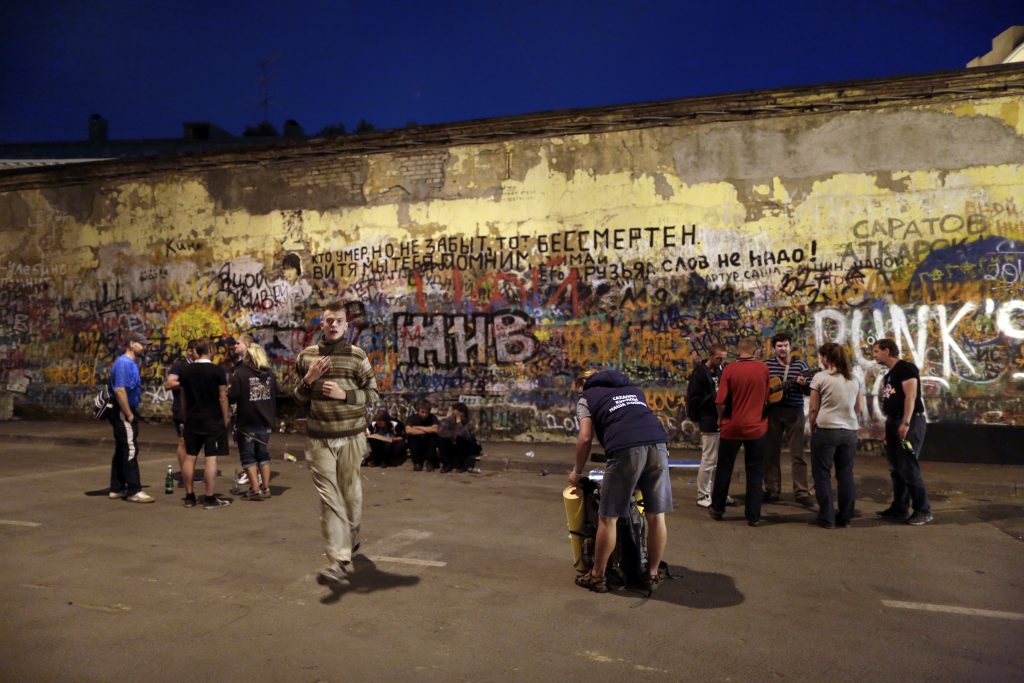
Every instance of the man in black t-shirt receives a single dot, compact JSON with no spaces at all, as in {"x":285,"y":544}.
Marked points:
{"x":904,"y":434}
{"x":174,"y":385}
{"x":204,"y":402}
{"x":421,"y":433}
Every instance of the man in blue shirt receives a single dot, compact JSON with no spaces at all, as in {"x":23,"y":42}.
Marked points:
{"x":126,"y":385}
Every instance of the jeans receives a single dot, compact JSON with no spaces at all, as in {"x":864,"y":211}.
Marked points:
{"x":753,"y":452}
{"x":828,"y":447}
{"x":387,"y":453}
{"x":907,"y":485}
{"x":250,"y":451}
{"x":423,"y":449}
{"x":786,"y":428}
{"x":459,"y":454}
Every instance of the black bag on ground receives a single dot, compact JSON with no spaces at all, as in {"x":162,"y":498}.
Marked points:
{"x":629,"y":559}
{"x":628,"y":562}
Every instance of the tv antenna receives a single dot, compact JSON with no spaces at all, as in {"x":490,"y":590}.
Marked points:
{"x":264,"y":81}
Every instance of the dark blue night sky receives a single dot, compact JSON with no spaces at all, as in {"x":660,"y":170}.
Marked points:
{"x":148,"y":67}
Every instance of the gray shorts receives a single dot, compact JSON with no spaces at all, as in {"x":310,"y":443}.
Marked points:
{"x":639,"y":467}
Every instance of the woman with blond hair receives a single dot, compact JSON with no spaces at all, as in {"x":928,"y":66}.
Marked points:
{"x":836,"y":402}
{"x":254,"y":389}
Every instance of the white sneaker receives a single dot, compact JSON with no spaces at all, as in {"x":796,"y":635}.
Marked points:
{"x":243,"y":479}
{"x":704,"y":502}
{"x":730,"y":501}
{"x":140,"y":497}
{"x":114,"y":495}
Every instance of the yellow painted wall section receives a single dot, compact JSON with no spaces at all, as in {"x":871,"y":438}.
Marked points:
{"x":492,"y":273}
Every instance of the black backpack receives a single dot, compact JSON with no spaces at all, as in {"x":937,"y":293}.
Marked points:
{"x":103,"y":403}
{"x":627,"y":564}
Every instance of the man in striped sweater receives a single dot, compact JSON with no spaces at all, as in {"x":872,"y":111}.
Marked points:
{"x":337,"y":383}
{"x":786,"y":422}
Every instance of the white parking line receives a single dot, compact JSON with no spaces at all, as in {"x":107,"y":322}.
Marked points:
{"x":14,"y":522}
{"x":407,"y":560}
{"x":953,"y":609}
{"x":156,"y":462}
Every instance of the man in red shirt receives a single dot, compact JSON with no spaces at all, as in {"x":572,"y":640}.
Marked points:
{"x":742,"y":394}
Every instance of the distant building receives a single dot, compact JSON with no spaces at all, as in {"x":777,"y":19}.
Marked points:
{"x":198,"y":136}
{"x":1007,"y":47}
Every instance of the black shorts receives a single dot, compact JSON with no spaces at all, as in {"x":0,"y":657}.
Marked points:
{"x":210,"y":444}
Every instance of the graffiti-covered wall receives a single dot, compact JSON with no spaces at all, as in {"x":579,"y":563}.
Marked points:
{"x":492,"y":270}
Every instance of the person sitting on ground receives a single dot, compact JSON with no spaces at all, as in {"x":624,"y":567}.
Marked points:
{"x":457,"y":442}
{"x":421,"y":433}
{"x":386,"y":437}
{"x":254,"y":390}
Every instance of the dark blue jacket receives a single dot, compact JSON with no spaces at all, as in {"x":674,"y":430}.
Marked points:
{"x":620,"y":413}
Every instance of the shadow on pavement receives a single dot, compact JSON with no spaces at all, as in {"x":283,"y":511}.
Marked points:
{"x":367,"y":578}
{"x":691,"y":588}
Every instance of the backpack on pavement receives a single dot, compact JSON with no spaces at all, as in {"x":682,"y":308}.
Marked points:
{"x":627,"y":565}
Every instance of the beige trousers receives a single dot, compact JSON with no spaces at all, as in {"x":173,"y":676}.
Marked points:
{"x":708,"y":461}
{"x":334,"y":464}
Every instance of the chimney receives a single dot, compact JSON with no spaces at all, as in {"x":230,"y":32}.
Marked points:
{"x":97,"y":129}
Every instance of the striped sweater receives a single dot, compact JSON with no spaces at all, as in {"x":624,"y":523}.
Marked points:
{"x":330,"y":418}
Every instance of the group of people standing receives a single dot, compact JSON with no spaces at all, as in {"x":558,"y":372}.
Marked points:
{"x":201,"y":394}
{"x":759,"y":407}
{"x":336,"y":385}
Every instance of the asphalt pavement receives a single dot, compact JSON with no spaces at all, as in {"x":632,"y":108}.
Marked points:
{"x":468,"y":577}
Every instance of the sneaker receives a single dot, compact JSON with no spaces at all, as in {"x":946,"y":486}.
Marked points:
{"x":730,"y":502}
{"x":252,"y":495}
{"x":335,"y":573}
{"x":215,"y":502}
{"x":806,"y":501}
{"x":114,"y":495}
{"x":920,"y":518}
{"x":715,"y":514}
{"x":889,"y":513}
{"x":190,"y":500}
{"x":265,"y":492}
{"x":242,"y":480}
{"x":704,"y":502}
{"x":140,"y":497}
